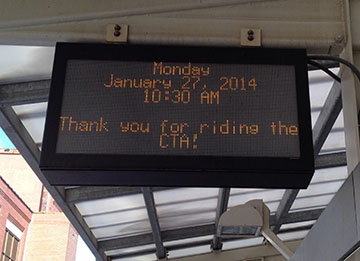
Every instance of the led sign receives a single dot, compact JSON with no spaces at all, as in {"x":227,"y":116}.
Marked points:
{"x":178,"y":116}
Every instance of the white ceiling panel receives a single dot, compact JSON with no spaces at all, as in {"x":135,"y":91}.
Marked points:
{"x":187,"y":220}
{"x":151,"y":257}
{"x":188,"y":240}
{"x":196,"y":206}
{"x":184,"y":194}
{"x":113,"y":218}
{"x":189,"y":251}
{"x":334,"y":142}
{"x":121,"y":230}
{"x":25,"y":63}
{"x":320,"y":86}
{"x":330,"y":174}
{"x":311,"y":202}
{"x":293,"y":235}
{"x":32,"y":117}
{"x":298,"y":224}
{"x":130,"y":250}
{"x":271,"y":197}
{"x":320,"y":189}
{"x":257,"y":241}
{"x":111,"y":204}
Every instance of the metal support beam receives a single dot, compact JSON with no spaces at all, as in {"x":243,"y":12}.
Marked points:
{"x":144,"y":239}
{"x":19,"y":136}
{"x":299,"y":216}
{"x":196,"y":244}
{"x":154,"y":221}
{"x":350,"y":85}
{"x":222,"y":205}
{"x":327,"y":64}
{"x":85,"y":193}
{"x":191,"y":232}
{"x":330,"y":160}
{"x":328,"y":115}
{"x":24,"y":93}
{"x":215,"y":256}
{"x":284,"y":207}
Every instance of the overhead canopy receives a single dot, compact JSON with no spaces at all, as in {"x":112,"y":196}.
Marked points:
{"x":132,"y":223}
{"x":122,"y":223}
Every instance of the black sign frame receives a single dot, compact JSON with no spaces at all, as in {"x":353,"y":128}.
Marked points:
{"x":192,"y":171}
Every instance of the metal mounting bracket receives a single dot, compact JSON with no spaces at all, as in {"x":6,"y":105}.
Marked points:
{"x":117,"y":33}
{"x":250,"y":37}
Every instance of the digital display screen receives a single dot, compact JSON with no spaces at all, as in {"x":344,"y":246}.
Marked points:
{"x":168,"y":108}
{"x":152,"y":115}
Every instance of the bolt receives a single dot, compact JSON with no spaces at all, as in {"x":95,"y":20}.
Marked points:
{"x":251,"y":37}
{"x":250,"y":32}
{"x":117,"y":33}
{"x":339,"y":38}
{"x":117,"y":27}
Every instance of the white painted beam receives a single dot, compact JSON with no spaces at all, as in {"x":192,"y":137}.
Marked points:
{"x":248,"y":253}
{"x":318,"y":25}
{"x":350,"y":86}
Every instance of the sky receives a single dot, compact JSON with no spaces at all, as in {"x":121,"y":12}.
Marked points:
{"x":5,"y":142}
{"x":82,"y":252}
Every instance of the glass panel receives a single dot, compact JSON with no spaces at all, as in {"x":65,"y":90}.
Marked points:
{"x":314,"y":116}
{"x":188,"y":240}
{"x":130,"y":250}
{"x":233,"y":244}
{"x":5,"y":240}
{"x":298,"y":224}
{"x":293,"y":235}
{"x":103,"y":206}
{"x":271,"y":197}
{"x":14,"y":250}
{"x":334,"y":142}
{"x":187,"y":220}
{"x":188,"y":213}
{"x":8,"y":244}
{"x":189,"y":251}
{"x":320,"y":189}
{"x":329,"y":174}
{"x":151,"y":257}
{"x":311,"y":202}
{"x":122,"y":230}
{"x":339,"y":123}
{"x":184,"y":195}
{"x":115,"y":218}
{"x":25,"y":63}
{"x":320,"y":84}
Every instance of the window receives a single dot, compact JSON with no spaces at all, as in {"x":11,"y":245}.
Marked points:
{"x":10,"y":248}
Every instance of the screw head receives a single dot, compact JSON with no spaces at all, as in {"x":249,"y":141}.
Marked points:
{"x":251,"y":37}
{"x":117,"y":27}
{"x":339,"y":38}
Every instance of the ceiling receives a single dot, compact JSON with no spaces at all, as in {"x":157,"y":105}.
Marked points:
{"x":133,"y":223}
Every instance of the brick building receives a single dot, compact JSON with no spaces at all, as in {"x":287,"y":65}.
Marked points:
{"x":15,"y":217}
{"x":32,"y":226}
